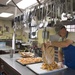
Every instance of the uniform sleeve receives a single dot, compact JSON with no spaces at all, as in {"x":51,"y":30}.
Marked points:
{"x":71,"y":36}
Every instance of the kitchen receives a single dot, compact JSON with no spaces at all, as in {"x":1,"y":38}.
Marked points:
{"x":27,"y":28}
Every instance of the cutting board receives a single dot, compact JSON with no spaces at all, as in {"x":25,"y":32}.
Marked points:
{"x":37,"y":69}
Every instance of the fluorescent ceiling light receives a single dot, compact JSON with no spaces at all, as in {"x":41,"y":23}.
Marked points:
{"x":26,"y":3}
{"x":5,"y":14}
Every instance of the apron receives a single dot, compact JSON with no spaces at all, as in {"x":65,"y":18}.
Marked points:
{"x":69,"y":56}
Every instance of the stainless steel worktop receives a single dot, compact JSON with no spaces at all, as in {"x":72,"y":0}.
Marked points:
{"x":23,"y":70}
{"x":18,"y":67}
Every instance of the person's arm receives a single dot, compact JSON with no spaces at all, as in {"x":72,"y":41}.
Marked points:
{"x":60,"y":59}
{"x":60,"y":56}
{"x":59,"y":43}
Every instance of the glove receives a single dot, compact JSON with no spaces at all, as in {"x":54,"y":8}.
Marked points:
{"x":60,"y":64}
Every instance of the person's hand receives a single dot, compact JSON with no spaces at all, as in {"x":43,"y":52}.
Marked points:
{"x":60,"y":64}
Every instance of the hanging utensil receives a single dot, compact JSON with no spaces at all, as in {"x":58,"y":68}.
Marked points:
{"x":41,"y":22}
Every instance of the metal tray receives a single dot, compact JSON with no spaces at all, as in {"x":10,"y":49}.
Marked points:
{"x":27,"y":63}
{"x":20,"y":62}
{"x":37,"y":69}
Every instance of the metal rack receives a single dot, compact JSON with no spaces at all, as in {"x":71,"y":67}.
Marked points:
{"x":45,"y":8}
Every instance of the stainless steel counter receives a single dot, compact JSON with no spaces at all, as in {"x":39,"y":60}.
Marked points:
{"x":23,"y":70}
